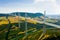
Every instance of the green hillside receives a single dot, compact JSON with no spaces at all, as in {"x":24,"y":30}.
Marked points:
{"x":34,"y":30}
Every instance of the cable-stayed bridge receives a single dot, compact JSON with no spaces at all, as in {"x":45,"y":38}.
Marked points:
{"x":41,"y":22}
{"x":50,"y":24}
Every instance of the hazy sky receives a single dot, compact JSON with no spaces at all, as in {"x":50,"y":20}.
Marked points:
{"x":51,"y":6}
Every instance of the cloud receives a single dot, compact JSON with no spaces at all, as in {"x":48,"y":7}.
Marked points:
{"x":50,"y":6}
{"x":37,"y":1}
{"x":10,"y":10}
{"x":37,"y":6}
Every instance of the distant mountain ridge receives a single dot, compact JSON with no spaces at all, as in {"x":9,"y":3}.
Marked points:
{"x":28,"y":14}
{"x":23,"y":14}
{"x":54,"y":16}
{"x":1,"y":15}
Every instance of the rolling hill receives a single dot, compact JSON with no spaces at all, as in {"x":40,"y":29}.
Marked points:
{"x":28,"y":14}
{"x":32,"y":15}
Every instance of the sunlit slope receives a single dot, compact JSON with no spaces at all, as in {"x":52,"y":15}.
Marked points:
{"x":15,"y":20}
